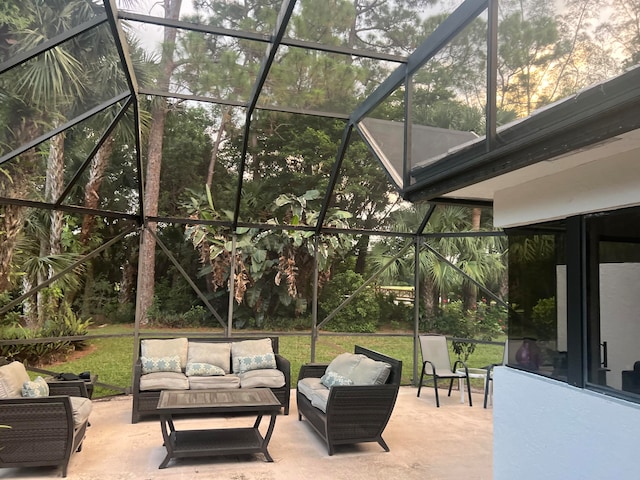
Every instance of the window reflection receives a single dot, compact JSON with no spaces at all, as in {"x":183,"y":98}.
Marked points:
{"x":619,"y":326}
{"x":537,"y":295}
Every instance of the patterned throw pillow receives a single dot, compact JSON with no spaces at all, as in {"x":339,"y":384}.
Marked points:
{"x":332,"y":378}
{"x":255,"y":362}
{"x":36,"y":388}
{"x":203,"y":370}
{"x":160,"y":364}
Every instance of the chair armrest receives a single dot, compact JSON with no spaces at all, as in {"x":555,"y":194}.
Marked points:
{"x":73,"y":388}
{"x":350,"y":407}
{"x":284,"y":365}
{"x":460,"y":362}
{"x":314,"y":370}
{"x":137,"y":373}
{"x":29,"y":418}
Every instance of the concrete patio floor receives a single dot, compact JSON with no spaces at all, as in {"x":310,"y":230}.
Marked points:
{"x":450,"y":442}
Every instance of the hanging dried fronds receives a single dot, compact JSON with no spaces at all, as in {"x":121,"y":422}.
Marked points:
{"x":287,"y":268}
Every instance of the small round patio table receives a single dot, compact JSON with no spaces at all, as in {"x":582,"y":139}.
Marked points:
{"x":473,"y":373}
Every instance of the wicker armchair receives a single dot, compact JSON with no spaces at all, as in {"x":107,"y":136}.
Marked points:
{"x":354,"y":413}
{"x":42,"y":431}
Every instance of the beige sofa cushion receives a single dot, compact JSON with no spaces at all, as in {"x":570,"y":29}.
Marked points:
{"x":271,"y":378}
{"x":161,"y":348}
{"x":249,"y":348}
{"x":226,"y":381}
{"x":81,"y":409}
{"x":210,"y":352}
{"x":164,"y":381}
{"x":12,"y":378}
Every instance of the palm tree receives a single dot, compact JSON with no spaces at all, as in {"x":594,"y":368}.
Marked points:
{"x":34,"y":266}
{"x":479,"y":258}
{"x":55,"y":86}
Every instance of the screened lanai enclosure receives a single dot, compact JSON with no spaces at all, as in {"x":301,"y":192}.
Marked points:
{"x":282,"y":165}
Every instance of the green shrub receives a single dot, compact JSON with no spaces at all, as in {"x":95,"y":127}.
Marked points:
{"x":32,"y":353}
{"x":63,"y":323}
{"x":12,"y":317}
{"x":360,"y":315}
{"x":287,"y":324}
{"x":397,"y":315}
{"x":194,"y":317}
{"x":67,"y":324}
{"x":121,"y":313}
{"x":485,"y":323}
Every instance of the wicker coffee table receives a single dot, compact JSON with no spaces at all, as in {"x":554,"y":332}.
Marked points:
{"x":216,"y":441}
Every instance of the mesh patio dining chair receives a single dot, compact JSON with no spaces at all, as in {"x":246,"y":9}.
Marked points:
{"x":436,"y":362}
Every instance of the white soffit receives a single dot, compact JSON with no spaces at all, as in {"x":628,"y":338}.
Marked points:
{"x":609,"y":148}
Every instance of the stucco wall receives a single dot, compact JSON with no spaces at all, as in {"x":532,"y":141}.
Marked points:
{"x":594,"y":186}
{"x":567,"y":433}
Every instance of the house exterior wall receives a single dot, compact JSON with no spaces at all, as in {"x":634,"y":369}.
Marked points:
{"x":545,"y":428}
{"x":595,"y":186}
{"x":567,"y":433}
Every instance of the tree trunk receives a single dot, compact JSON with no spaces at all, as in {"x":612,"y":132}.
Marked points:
{"x":469,"y":290}
{"x":11,"y":221}
{"x":427,"y":300}
{"x":53,"y":188}
{"x":152,"y":184}
{"x":54,"y":183}
{"x":14,"y":184}
{"x":363,"y":250}
{"x":226,"y":117}
{"x":98,"y":166}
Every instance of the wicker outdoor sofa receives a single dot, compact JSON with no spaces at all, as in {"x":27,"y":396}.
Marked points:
{"x":44,"y":430}
{"x":355,"y":412}
{"x":210,"y":350}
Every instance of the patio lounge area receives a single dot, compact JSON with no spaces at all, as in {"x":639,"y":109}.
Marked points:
{"x":450,"y":442}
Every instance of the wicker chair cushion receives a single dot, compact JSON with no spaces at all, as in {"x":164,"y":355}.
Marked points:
{"x":35,"y":388}
{"x":307,"y":385}
{"x":81,"y":407}
{"x":344,"y":364}
{"x":225,"y":381}
{"x":202,"y":370}
{"x":12,"y":378}
{"x":155,"y":348}
{"x":361,"y":369}
{"x":249,"y":348}
{"x":214,"y":353}
{"x":164,"y":381}
{"x":271,"y":378}
{"x":319,"y":399}
{"x":370,"y":372}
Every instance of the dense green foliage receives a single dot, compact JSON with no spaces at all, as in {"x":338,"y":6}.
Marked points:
{"x":362,"y":312}
{"x":280,"y":180}
{"x":485,"y":322}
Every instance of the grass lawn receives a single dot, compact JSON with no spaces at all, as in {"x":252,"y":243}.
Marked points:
{"x":112,"y":358}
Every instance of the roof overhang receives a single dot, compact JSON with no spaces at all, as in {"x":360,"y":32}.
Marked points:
{"x":596,"y":123}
